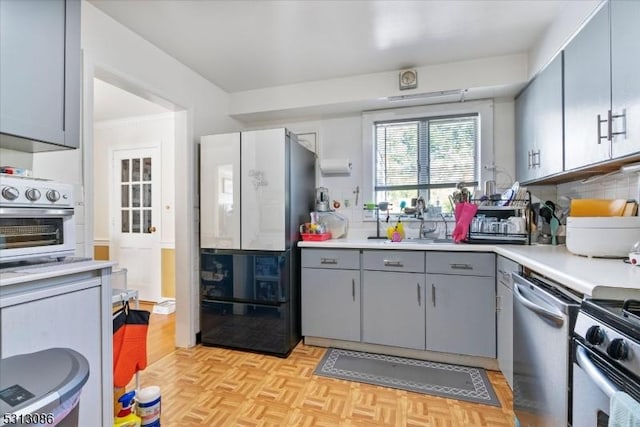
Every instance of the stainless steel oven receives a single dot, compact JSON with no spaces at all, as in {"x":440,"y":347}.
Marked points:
{"x":606,"y":352}
{"x":36,"y":219}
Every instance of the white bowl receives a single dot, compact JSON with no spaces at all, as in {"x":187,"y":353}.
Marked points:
{"x":609,"y":237}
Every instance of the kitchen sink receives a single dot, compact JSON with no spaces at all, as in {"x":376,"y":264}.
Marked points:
{"x":422,"y":241}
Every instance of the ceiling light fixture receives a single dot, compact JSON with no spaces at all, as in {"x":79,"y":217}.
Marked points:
{"x":425,"y":95}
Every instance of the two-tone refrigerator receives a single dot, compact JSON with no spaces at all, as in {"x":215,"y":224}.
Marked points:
{"x":256,"y":188}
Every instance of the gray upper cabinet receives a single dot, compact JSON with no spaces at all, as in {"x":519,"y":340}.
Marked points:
{"x":625,"y":84}
{"x":587,"y":93}
{"x":39,"y":74}
{"x":601,"y":87}
{"x":539,"y":142}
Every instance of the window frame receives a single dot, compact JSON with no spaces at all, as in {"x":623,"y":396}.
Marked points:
{"x":485,"y":150}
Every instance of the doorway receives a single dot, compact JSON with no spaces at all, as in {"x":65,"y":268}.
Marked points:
{"x":133,"y":175}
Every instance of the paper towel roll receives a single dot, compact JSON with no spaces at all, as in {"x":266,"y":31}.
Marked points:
{"x":335,"y":166}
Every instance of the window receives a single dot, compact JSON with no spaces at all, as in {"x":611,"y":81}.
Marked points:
{"x":425,"y":157}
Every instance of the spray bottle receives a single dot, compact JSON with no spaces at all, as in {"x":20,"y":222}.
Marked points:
{"x":126,"y":417}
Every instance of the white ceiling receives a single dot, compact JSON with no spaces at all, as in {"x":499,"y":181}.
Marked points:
{"x":242,"y":45}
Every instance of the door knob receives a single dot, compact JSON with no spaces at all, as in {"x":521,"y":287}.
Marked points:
{"x":151,"y":229}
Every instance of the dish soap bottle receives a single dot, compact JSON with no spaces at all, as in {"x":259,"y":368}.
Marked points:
{"x":125,"y":417}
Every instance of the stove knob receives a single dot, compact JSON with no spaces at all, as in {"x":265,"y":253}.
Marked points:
{"x":53,"y":195}
{"x":594,"y":335}
{"x":10,"y":193}
{"x":32,"y":194}
{"x":618,"y":349}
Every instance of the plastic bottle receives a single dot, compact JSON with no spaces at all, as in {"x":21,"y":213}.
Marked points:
{"x":149,"y":406}
{"x":125,"y":417}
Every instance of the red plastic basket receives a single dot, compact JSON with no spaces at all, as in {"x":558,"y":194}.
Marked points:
{"x":316,"y":237}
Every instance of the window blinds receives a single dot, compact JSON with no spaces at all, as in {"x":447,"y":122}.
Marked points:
{"x":426,"y":153}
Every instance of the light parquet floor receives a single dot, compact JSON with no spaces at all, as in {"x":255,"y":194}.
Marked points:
{"x":208,"y":386}
{"x":161,"y":333}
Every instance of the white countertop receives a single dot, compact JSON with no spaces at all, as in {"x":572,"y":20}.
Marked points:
{"x":46,"y":271}
{"x":596,"y":277}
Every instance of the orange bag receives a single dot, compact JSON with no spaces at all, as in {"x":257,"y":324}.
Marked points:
{"x":129,"y":344}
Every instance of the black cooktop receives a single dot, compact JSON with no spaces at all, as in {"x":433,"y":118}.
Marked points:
{"x":621,"y":315}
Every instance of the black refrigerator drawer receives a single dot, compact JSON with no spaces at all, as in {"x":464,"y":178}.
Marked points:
{"x":249,"y":326}
{"x":245,"y":276}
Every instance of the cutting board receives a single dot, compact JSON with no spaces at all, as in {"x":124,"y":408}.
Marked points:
{"x":598,"y":207}
{"x":631,"y":209}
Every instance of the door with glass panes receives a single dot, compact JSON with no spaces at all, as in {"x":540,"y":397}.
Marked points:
{"x":136,"y":219}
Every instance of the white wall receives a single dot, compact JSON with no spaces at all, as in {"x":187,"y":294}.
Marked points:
{"x":486,"y":78}
{"x":121,"y":57}
{"x":341,"y":137}
{"x":16,"y":158}
{"x":573,"y":17}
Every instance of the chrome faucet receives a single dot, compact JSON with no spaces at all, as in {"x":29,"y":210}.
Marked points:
{"x":421,"y":207}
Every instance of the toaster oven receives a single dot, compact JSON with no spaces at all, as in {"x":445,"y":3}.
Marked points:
{"x":36,"y":219}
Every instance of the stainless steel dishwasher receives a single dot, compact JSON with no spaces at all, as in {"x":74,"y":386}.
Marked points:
{"x":544,"y":314}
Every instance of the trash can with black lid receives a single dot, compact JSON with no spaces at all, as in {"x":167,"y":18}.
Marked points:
{"x":42,"y":388}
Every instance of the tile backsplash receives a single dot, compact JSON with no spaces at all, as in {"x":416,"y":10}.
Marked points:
{"x":612,"y":187}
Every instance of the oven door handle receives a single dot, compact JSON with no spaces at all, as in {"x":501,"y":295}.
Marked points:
{"x":594,"y":373}
{"x":34,"y":212}
{"x":557,"y":318}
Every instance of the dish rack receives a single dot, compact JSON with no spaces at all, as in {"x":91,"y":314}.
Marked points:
{"x":491,"y":225}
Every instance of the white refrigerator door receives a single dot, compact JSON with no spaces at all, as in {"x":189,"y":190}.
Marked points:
{"x":263,"y":195}
{"x":220,"y":191}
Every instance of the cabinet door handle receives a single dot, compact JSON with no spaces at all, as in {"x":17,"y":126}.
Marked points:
{"x":433,"y":294}
{"x":419,"y":296}
{"x":529,"y":155}
{"x":389,"y":263}
{"x":535,"y":155}
{"x":600,"y":137}
{"x":498,"y":303}
{"x":624,"y":123}
{"x":461,"y":266}
{"x":331,"y":261}
{"x":353,"y":289}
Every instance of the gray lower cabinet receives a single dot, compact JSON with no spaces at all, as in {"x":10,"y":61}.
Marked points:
{"x":504,"y":315}
{"x":461,"y":305}
{"x":393,"y":298}
{"x":39,"y":74}
{"x":393,"y":309}
{"x":331,"y":294}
